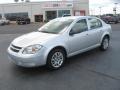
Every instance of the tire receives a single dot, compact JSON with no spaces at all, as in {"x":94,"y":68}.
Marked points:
{"x":116,"y":22}
{"x":29,"y":22}
{"x":26,"y":22}
{"x":18,"y":23}
{"x":23,"y":23}
{"x":55,"y":62}
{"x":105,"y":43}
{"x":107,"y":22}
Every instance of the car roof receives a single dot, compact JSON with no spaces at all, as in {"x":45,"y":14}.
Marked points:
{"x":73,"y":17}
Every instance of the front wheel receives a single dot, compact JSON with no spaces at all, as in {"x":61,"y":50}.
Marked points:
{"x":56,"y":59}
{"x":107,"y":21}
{"x":105,"y":43}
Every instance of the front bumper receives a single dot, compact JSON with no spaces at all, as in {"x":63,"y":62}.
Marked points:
{"x":38,"y":59}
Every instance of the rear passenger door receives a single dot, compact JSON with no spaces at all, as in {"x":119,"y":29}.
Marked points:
{"x":95,"y":31}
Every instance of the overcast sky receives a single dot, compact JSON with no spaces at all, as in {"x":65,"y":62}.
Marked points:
{"x":106,"y":5}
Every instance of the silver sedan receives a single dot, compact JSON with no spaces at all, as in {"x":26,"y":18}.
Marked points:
{"x":59,"y":39}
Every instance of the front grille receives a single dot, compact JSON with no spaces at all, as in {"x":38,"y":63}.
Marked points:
{"x":15,"y":48}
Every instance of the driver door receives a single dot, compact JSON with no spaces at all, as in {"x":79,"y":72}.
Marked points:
{"x":78,"y":37}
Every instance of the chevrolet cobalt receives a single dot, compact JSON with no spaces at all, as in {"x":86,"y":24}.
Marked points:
{"x":59,"y":39}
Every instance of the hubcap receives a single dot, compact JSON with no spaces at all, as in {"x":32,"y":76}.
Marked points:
{"x":105,"y":43}
{"x":57,"y":59}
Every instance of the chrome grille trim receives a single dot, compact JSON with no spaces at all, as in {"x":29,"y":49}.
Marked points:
{"x":15,"y":48}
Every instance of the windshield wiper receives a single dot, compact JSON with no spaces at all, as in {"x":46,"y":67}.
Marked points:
{"x":44,"y":31}
{"x":48,"y":32}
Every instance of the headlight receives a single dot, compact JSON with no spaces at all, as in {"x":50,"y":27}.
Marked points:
{"x":32,"y":49}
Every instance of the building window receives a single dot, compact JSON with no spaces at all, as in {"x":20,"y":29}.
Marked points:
{"x":13,"y":16}
{"x":62,"y":12}
{"x":50,"y":15}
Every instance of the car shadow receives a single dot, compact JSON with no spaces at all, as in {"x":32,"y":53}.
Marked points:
{"x":82,"y":57}
{"x":70,"y":62}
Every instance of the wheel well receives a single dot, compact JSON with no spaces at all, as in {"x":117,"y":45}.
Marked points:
{"x":107,"y":36}
{"x":60,"y":47}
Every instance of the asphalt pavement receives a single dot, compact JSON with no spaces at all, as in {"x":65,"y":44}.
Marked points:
{"x":92,"y":70}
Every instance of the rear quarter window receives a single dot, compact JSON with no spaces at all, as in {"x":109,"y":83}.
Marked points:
{"x":94,"y":23}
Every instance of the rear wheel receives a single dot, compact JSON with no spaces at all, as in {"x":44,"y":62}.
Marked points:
{"x":18,"y":23}
{"x":56,"y":59}
{"x":105,"y":43}
{"x":116,"y":22}
{"x":107,"y":21}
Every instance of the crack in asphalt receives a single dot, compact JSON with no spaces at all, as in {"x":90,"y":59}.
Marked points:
{"x":101,"y":74}
{"x":98,"y":73}
{"x":105,"y":75}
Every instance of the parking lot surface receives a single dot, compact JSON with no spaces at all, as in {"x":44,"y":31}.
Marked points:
{"x":92,"y":70}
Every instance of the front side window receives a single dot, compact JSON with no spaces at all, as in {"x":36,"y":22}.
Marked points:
{"x":63,"y":12}
{"x":94,"y":23}
{"x":80,"y":26}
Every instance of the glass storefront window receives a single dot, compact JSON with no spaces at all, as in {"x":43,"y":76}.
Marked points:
{"x":62,"y":12}
{"x":13,"y":16}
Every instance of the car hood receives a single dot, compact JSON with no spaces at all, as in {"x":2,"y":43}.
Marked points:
{"x":33,"y":38}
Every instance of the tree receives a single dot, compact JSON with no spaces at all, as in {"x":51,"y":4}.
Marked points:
{"x":27,"y":0}
{"x":22,"y":0}
{"x":16,"y":1}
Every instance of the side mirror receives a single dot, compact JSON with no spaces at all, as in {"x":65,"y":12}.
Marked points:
{"x":71,"y":33}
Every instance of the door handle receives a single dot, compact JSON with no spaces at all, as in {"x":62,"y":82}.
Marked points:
{"x":87,"y":34}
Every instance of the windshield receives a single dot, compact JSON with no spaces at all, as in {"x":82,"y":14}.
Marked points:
{"x":56,"y":26}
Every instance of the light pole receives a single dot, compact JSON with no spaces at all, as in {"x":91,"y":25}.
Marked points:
{"x":3,"y":11}
{"x":115,"y":8}
{"x":100,"y":8}
{"x":31,"y":9}
{"x":92,"y":12}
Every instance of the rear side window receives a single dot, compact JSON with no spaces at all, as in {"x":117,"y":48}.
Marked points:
{"x":94,"y":23}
